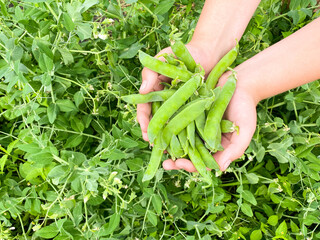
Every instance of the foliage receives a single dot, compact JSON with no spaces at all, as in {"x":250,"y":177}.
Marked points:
{"x":72,"y":156}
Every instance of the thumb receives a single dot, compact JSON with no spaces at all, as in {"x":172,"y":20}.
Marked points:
{"x":235,"y":147}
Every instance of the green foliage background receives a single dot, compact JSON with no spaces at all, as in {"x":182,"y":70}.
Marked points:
{"x":72,"y":156}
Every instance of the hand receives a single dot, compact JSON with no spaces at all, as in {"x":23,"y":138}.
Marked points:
{"x":242,"y":111}
{"x":151,"y":80}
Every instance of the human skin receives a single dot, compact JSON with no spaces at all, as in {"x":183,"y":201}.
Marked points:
{"x":285,"y":65}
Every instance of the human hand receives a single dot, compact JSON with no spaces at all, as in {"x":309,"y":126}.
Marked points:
{"x":242,"y":111}
{"x":151,"y":80}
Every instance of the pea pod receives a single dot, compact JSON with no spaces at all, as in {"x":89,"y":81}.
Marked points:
{"x":191,"y":131}
{"x":184,"y":140}
{"x":206,"y":156}
{"x":149,"y":97}
{"x":184,"y":55}
{"x":214,"y":117}
{"x":228,"y":126}
{"x":175,"y":146}
{"x":221,"y":67}
{"x":200,"y":123}
{"x":184,"y":118}
{"x":155,"y":160}
{"x":154,"y":107}
{"x":198,"y":163}
{"x":163,"y":68}
{"x":169,"y":107}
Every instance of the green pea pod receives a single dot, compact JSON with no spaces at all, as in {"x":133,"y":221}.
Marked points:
{"x":169,"y":107}
{"x":149,"y":97}
{"x":163,"y":68}
{"x":155,"y":160}
{"x":228,"y":126}
{"x":214,"y":117}
{"x":221,"y":67}
{"x":191,"y":132}
{"x":183,"y":54}
{"x":183,"y":138}
{"x":190,"y":112}
{"x":206,"y":155}
{"x":170,"y":59}
{"x":154,"y":107}
{"x":198,"y":163}
{"x":176,"y":148}
{"x":200,"y":123}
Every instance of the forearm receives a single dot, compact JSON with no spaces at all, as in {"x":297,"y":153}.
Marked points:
{"x":222,"y":22}
{"x":287,"y":64}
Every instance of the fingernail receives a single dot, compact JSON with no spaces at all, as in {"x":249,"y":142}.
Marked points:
{"x":226,"y":165}
{"x":143,"y":85}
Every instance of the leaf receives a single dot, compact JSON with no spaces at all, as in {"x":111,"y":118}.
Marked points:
{"x":66,"y":105}
{"x":127,"y":142}
{"x":132,"y":51}
{"x":252,"y":178}
{"x":67,"y":22}
{"x":247,"y":195}
{"x":48,"y":232}
{"x":78,"y":98}
{"x":163,"y":7}
{"x":273,"y":220}
{"x":152,"y":217}
{"x":66,"y":55}
{"x":52,"y":112}
{"x":3,"y":161}
{"x":157,"y":203}
{"x":282,"y":229}
{"x":112,"y":225}
{"x":30,"y":147}
{"x":256,"y":235}
{"x":246,"y":209}
{"x":88,"y":4}
{"x":84,"y":31}
{"x":73,"y":141}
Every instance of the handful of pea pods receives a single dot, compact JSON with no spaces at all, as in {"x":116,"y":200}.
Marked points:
{"x":187,"y":115}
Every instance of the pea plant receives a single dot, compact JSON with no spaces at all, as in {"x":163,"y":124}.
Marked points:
{"x":72,"y":158}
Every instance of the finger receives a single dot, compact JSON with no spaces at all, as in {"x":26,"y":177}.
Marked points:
{"x":236,"y":147}
{"x":143,"y":118}
{"x":149,"y":80}
{"x":169,"y":165}
{"x":185,"y":164}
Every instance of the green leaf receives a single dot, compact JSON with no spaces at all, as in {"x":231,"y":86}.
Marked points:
{"x":256,"y":235}
{"x":252,"y":178}
{"x":73,"y":141}
{"x":132,"y":51}
{"x":48,"y":232}
{"x":67,"y":22}
{"x":273,"y":220}
{"x":66,"y":105}
{"x":66,"y":55}
{"x":157,"y":203}
{"x":282,"y":229}
{"x":127,"y":142}
{"x":294,"y":227}
{"x":163,"y":7}
{"x":84,"y":31}
{"x":3,"y":161}
{"x":111,"y":226}
{"x":52,"y":112}
{"x":78,"y":98}
{"x":247,"y":195}
{"x":88,"y":4}
{"x":30,"y":147}
{"x":152,"y":217}
{"x":246,"y":209}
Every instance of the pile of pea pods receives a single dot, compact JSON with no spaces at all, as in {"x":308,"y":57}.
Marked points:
{"x":187,"y":114}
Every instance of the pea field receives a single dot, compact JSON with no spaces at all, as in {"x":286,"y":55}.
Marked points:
{"x":72,"y":157}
